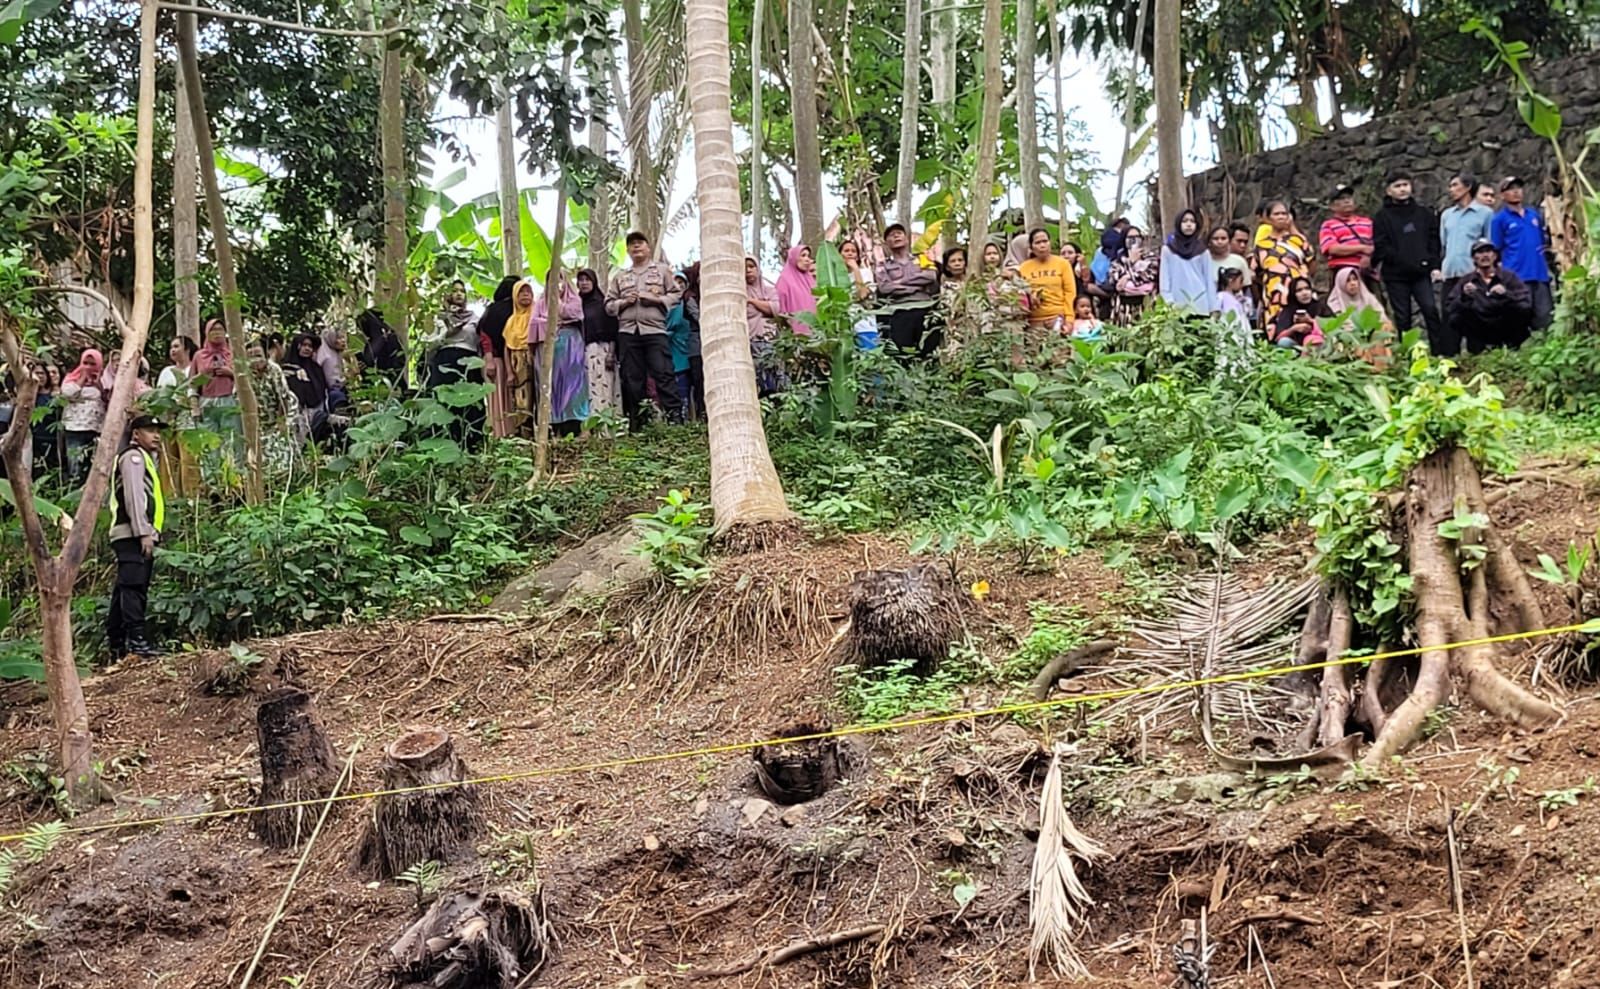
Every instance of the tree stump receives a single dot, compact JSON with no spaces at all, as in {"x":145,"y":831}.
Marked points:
{"x":795,"y":772}
{"x":912,"y":614}
{"x":436,"y":824}
{"x":297,"y":764}
{"x":491,"y":940}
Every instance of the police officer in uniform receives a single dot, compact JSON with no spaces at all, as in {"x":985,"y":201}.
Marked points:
{"x":138,"y":511}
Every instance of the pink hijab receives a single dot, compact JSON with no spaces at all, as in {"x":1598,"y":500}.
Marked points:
{"x":571,"y":308}
{"x":88,"y":370}
{"x":795,"y":286}
{"x":759,"y":324}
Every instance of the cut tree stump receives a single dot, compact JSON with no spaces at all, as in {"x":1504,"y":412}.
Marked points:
{"x":437,"y":824}
{"x":297,"y":764}
{"x":912,"y":614}
{"x":487,"y":940}
{"x":796,"y":772}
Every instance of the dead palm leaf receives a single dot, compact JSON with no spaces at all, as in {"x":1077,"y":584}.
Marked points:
{"x":1058,"y":902}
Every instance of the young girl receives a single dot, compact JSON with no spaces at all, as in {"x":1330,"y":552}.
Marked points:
{"x":1233,"y":317}
{"x":1296,"y":326}
{"x":1085,"y":325}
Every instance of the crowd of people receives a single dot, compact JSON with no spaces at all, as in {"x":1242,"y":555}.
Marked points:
{"x":1476,"y":274}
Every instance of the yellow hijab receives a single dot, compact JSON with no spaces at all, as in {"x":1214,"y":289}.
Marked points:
{"x":521,"y":316}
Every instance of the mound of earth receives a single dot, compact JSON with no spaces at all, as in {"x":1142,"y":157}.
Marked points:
{"x":911,"y":868}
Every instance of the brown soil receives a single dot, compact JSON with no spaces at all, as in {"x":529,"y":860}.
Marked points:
{"x":657,"y":871}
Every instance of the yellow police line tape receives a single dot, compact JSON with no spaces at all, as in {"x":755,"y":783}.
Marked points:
{"x":887,"y":726}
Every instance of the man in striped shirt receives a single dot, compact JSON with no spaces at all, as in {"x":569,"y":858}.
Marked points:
{"x":1345,"y":239}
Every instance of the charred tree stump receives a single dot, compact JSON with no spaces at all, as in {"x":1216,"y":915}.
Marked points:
{"x":912,"y":614}
{"x":297,"y":765}
{"x":437,"y":823}
{"x":492,"y":940}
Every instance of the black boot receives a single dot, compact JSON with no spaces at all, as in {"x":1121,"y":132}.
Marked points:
{"x":141,"y":647}
{"x":115,"y":651}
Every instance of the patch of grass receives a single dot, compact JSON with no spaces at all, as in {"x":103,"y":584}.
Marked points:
{"x":892,"y":691}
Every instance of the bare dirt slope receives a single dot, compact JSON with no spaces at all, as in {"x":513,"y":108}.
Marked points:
{"x":671,"y":871}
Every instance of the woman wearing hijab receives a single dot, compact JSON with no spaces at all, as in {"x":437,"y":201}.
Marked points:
{"x":82,"y":412}
{"x":1135,"y":275}
{"x":492,"y":340}
{"x":796,"y":285}
{"x":521,"y":333}
{"x":330,"y":357}
{"x":1296,"y":327}
{"x":569,"y":375}
{"x":308,"y":385}
{"x":212,"y":372}
{"x":1282,"y":255}
{"x":1350,"y":293}
{"x":382,"y":351}
{"x":1188,"y":279}
{"x":760,"y":306}
{"x":280,"y":410}
{"x":450,"y":363}
{"x":599,"y":345}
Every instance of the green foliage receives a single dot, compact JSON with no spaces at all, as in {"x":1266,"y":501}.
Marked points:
{"x":1554,"y":371}
{"x":891,"y":691}
{"x":425,"y":879}
{"x":673,"y":538}
{"x":32,"y":777}
{"x":1055,"y":631}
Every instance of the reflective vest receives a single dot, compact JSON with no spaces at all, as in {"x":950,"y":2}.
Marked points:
{"x":155,"y":503}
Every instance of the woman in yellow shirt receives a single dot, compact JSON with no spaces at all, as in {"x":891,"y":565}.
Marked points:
{"x":1050,"y":283}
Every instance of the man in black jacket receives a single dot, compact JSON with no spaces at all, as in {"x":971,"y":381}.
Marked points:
{"x":1492,"y":306}
{"x":1406,"y":253}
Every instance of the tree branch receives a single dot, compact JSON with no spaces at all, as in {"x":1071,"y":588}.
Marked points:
{"x":19,"y":469}
{"x":233,"y":15}
{"x":89,"y":293}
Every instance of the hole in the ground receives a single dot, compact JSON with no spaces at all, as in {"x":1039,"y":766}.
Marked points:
{"x":179,"y":895}
{"x":796,"y":772}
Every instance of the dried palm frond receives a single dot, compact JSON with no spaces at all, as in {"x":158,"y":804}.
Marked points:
{"x":1058,"y":903}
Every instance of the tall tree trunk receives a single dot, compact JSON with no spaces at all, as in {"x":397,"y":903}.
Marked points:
{"x":641,"y":96}
{"x":185,"y":218}
{"x":1117,"y":205}
{"x":396,"y":188}
{"x":807,"y":151}
{"x":244,"y":378}
{"x":1169,"y":109}
{"x":745,"y":491}
{"x":600,"y":236}
{"x":944,"y":30}
{"x":758,"y":175}
{"x":910,"y":97}
{"x":1061,"y":116}
{"x":55,"y":575}
{"x":547,"y":348}
{"x":988,"y":135}
{"x":510,"y":207}
{"x":1028,"y":113}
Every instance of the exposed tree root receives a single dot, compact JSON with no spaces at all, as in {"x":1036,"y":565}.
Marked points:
{"x":492,"y":940}
{"x":743,"y":538}
{"x":658,"y":636}
{"x":1455,"y":580}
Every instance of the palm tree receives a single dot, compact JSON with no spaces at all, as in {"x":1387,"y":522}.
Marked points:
{"x":910,"y":92}
{"x":1027,"y":113}
{"x":745,"y":491}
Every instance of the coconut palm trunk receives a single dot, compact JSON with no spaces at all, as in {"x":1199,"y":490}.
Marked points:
{"x":746,"y":496}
